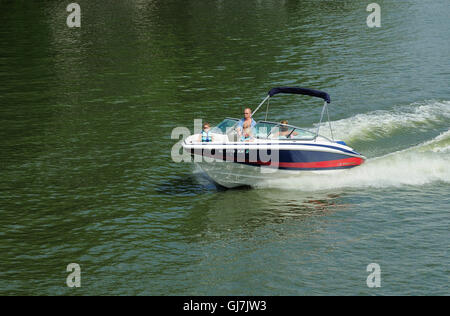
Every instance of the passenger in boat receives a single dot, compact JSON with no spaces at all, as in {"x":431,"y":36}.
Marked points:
{"x":285,"y":131}
{"x":247,"y":134}
{"x":205,"y":134}
{"x":247,"y":120}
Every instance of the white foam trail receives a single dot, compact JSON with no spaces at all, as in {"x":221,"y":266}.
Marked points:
{"x":422,"y":164}
{"x":379,"y":124}
{"x":441,"y":144}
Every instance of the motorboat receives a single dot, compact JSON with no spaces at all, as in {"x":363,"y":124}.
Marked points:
{"x":272,"y":150}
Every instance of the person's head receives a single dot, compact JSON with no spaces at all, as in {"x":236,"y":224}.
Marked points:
{"x":247,"y":113}
{"x":284,"y":127}
{"x":206,"y":126}
{"x":247,"y":132}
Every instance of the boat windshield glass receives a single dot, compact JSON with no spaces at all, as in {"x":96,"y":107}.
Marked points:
{"x":268,"y":130}
{"x":263,"y":129}
{"x":224,"y":126}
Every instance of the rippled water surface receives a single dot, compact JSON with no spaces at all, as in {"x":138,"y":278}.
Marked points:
{"x":86,"y":118}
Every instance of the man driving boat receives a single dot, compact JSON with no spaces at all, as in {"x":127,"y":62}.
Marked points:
{"x":246,"y":121}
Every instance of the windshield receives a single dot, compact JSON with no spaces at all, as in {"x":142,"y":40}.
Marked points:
{"x":269,"y":130}
{"x":224,"y":126}
{"x":298,"y":133}
{"x":264,"y":129}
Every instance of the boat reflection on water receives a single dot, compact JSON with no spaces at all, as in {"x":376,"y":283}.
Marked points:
{"x":246,"y":212}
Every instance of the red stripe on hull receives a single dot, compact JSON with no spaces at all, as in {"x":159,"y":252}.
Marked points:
{"x":352,"y":161}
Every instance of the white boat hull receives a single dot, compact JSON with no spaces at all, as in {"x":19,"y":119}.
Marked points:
{"x":231,"y":174}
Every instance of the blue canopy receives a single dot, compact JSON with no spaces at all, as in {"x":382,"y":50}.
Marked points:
{"x":304,"y":91}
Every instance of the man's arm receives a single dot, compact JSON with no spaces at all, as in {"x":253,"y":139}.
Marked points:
{"x":240,"y":127}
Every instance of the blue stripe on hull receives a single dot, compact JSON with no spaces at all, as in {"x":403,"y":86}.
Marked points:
{"x":287,"y":144}
{"x":308,"y":156}
{"x":249,"y":155}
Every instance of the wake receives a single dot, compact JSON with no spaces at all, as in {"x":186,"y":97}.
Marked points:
{"x":374,"y":125}
{"x":418,"y":165}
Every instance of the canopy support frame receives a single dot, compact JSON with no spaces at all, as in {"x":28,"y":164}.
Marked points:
{"x":265,"y":99}
{"x":325,"y":108}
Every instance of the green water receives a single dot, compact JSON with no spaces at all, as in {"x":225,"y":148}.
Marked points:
{"x":86,"y":116}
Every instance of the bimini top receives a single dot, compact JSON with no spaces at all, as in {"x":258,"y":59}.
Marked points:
{"x":304,"y":91}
